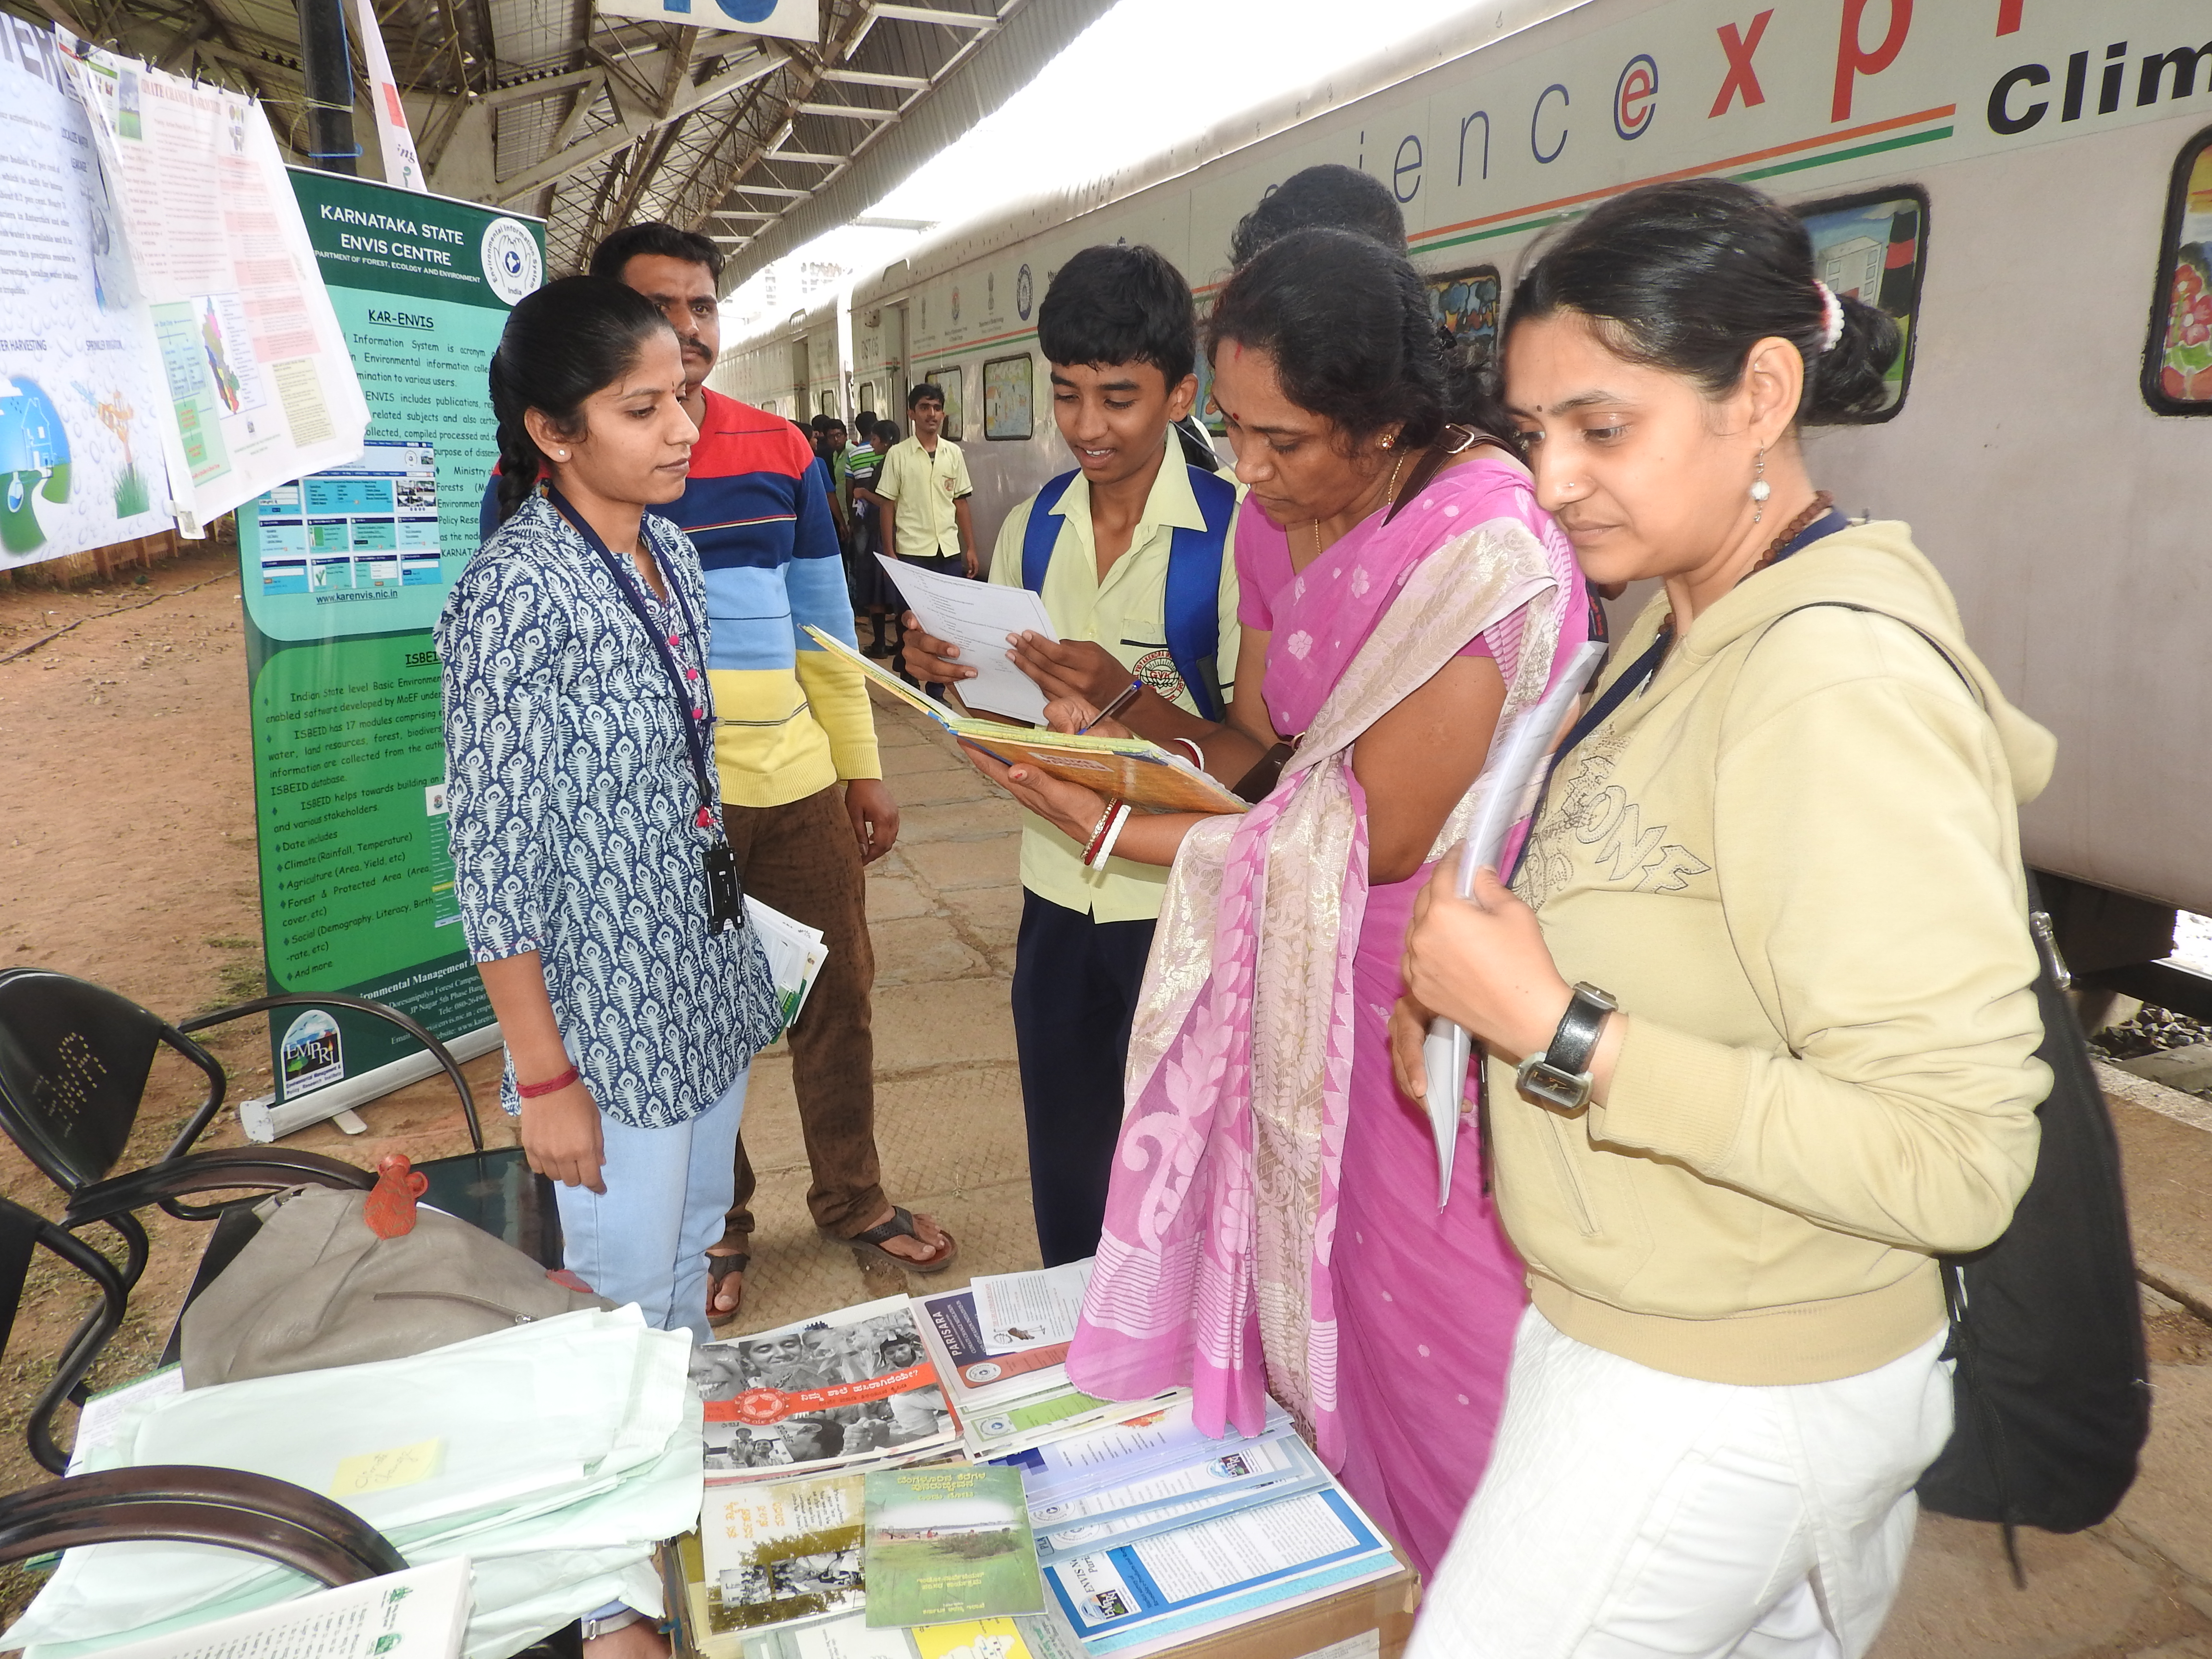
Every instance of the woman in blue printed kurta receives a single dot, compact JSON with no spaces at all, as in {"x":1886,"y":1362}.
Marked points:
{"x":580,"y":825}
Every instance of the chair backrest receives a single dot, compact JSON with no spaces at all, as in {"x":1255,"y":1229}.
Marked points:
{"x":195,"y":1504}
{"x":74,"y":1061}
{"x":22,"y":1233}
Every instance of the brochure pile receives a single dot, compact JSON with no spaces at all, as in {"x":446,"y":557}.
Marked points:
{"x":1099,"y":1529}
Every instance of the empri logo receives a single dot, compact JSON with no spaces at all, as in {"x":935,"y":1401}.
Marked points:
{"x":312,"y":1055}
{"x":511,"y":264}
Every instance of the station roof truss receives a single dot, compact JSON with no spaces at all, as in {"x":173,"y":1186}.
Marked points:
{"x":590,"y":121}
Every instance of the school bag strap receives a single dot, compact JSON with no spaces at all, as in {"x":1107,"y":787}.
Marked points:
{"x":1194,"y":596}
{"x":2052,"y":1382}
{"x":1043,"y":529}
{"x":1193,"y":582}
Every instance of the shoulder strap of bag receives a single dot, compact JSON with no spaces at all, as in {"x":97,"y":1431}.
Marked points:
{"x":1194,"y":591}
{"x":1043,"y":529}
{"x":2037,"y":1445}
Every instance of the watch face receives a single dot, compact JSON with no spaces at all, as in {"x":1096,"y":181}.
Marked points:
{"x":1547,"y":1085}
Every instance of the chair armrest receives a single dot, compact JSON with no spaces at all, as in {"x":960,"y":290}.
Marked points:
{"x":194,"y":1504}
{"x":25,"y":1228}
{"x":359,"y":1006}
{"x":212,"y":1171}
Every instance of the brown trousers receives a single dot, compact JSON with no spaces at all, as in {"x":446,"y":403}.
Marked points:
{"x":802,"y":859}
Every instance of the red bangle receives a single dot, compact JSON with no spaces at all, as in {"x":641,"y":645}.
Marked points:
{"x":552,"y":1086}
{"x":1099,"y":835}
{"x":1197,"y":755}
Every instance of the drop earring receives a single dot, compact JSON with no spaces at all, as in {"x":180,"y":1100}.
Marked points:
{"x":1760,"y":490}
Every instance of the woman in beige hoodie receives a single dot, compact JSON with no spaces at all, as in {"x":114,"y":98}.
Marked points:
{"x":1759,"y":1006}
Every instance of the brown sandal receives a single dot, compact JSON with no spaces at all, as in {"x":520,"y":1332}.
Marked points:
{"x":869,"y":1245}
{"x":720,"y":1267}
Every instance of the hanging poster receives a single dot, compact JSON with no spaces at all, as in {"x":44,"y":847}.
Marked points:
{"x":259,"y":388}
{"x":344,"y":573}
{"x":79,"y":465}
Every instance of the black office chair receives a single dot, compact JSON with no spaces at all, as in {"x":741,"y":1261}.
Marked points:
{"x":74,"y":1061}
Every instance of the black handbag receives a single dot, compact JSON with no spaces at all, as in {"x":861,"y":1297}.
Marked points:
{"x":2052,"y":1381}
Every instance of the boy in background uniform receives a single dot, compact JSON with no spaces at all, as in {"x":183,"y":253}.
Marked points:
{"x":923,"y":491}
{"x":1120,"y":335}
{"x":874,"y":596}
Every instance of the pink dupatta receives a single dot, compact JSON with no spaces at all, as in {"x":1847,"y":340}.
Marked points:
{"x":1213,"y":1270}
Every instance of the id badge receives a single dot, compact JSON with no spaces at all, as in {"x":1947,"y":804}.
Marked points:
{"x":725,"y":893}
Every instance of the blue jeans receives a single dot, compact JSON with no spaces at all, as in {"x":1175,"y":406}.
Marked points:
{"x":645,"y":1239}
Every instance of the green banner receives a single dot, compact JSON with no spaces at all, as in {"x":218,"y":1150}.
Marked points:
{"x":344,"y":574}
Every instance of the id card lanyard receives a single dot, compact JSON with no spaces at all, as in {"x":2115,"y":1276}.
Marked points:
{"x":695,"y":698}
{"x":1640,"y":674}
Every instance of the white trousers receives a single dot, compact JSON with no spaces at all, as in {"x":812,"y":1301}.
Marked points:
{"x":1628,"y":1513}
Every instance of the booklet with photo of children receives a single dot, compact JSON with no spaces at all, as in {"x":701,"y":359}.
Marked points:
{"x":849,"y":1389}
{"x":773,"y":1552}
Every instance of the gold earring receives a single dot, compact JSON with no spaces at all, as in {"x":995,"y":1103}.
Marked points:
{"x":1388,"y":442}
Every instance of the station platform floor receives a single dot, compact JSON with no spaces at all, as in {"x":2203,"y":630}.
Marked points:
{"x":944,"y":906}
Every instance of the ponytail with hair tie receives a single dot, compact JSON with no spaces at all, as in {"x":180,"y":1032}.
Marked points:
{"x":1689,"y":276}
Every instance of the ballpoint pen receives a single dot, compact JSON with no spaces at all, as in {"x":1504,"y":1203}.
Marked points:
{"x":1128,"y":696}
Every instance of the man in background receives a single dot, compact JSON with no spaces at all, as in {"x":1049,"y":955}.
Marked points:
{"x":874,"y":596}
{"x":923,"y":491}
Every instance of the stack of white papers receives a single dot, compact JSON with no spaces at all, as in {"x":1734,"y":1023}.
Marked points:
{"x":554,"y":1455}
{"x":979,"y":617}
{"x":795,"y":954}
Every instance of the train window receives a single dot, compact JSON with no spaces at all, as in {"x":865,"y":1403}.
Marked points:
{"x":1008,"y":399}
{"x":1873,"y":247}
{"x":828,"y":405}
{"x":948,"y":376}
{"x":1465,"y":306}
{"x":2177,"y":365}
{"x":870,"y":404}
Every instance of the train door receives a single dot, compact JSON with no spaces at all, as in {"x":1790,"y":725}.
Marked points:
{"x":894,"y":365}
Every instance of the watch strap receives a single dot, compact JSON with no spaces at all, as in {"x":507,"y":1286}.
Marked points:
{"x":1576,"y":1041}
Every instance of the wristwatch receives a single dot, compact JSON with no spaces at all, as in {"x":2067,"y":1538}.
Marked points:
{"x":592,"y":1629}
{"x":1559,"y":1077}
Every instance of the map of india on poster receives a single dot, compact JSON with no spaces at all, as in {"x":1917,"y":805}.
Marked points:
{"x":80,"y":403}
{"x":259,"y":387}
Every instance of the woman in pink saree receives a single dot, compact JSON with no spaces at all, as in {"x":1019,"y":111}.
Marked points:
{"x":1272,"y":1226}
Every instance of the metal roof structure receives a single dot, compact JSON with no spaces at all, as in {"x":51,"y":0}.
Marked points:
{"x":549,"y":107}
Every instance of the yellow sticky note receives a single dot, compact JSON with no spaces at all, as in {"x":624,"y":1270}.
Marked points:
{"x":382,"y":1471}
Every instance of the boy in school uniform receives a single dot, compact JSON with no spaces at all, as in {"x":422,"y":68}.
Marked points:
{"x":1132,"y":555}
{"x":922,"y":491}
